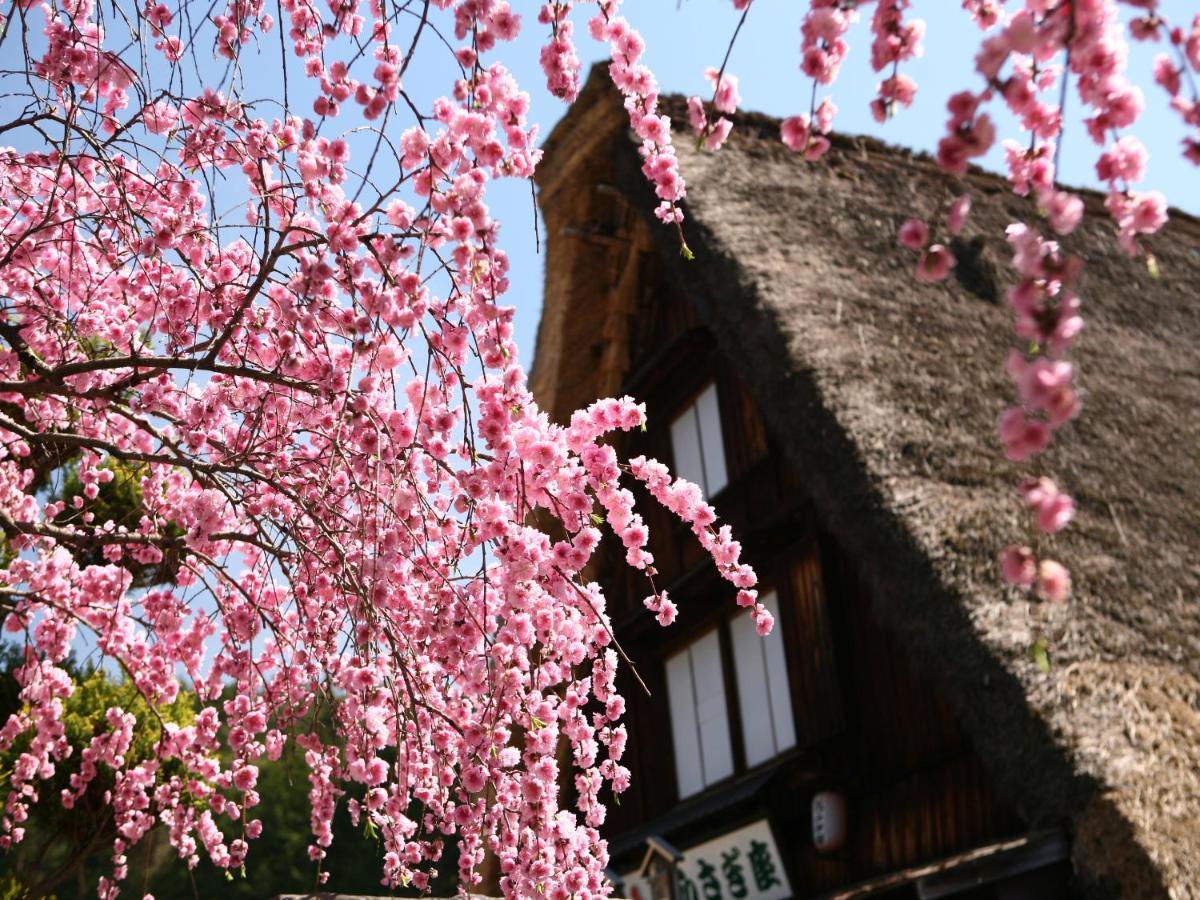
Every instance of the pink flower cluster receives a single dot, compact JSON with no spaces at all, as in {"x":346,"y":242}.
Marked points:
{"x":725,"y":100}
{"x":1046,"y":311}
{"x":1032,"y":50}
{"x":936,"y":260}
{"x":823,"y":46}
{"x":1173,"y":70}
{"x":78,"y":68}
{"x":809,"y":134}
{"x":1090,"y":35}
{"x":1050,"y":580}
{"x":893,"y":41}
{"x":985,"y":13}
{"x":321,"y":393}
{"x":1052,"y":510}
{"x":640,"y":89}
{"x":970,"y":133}
{"x":686,"y":500}
{"x":559,"y":59}
{"x":823,"y":49}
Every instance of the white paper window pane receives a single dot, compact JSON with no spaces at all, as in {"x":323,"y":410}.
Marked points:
{"x":682,"y":698}
{"x":758,"y":727}
{"x":777,"y":680}
{"x":712,"y":444}
{"x":699,"y":715}
{"x":712,"y":712}
{"x":685,"y":443}
{"x":763,"y":690}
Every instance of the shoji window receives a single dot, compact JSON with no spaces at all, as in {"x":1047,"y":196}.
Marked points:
{"x":764,"y":695}
{"x":699,"y":715}
{"x":698,"y":446}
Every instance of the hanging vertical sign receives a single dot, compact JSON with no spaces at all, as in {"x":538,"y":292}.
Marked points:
{"x":742,"y":865}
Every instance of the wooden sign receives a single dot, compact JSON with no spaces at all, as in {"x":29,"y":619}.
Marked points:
{"x":741,"y":865}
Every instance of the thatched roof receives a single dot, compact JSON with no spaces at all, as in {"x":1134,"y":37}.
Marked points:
{"x":885,"y":393}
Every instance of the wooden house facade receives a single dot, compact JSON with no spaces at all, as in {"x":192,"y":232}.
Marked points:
{"x":870,"y":757}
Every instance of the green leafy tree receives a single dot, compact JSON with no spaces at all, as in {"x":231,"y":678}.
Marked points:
{"x":119,"y":501}
{"x":66,"y":851}
{"x":69,"y":847}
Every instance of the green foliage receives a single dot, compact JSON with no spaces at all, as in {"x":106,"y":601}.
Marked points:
{"x":12,"y":889}
{"x":66,"y":851}
{"x":1039,"y":652}
{"x":278,"y":861}
{"x":96,"y":692}
{"x":119,"y":501}
{"x":62,"y":844}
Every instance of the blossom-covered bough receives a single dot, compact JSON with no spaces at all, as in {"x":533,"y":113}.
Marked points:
{"x":275,"y":324}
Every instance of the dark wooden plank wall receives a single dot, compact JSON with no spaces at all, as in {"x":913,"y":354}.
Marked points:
{"x":812,"y":666}
{"x":918,"y":790}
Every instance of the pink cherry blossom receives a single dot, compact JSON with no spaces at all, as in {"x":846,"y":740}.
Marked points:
{"x":935,"y":264}
{"x":1052,"y":507}
{"x":1064,"y":210}
{"x":795,"y":131}
{"x":718,"y":134}
{"x":1018,"y":566}
{"x":1022,"y":437}
{"x":913,"y":234}
{"x":725,"y":90}
{"x":824,"y":115}
{"x":1053,"y":581}
{"x":1123,"y":162}
{"x":956,"y":216}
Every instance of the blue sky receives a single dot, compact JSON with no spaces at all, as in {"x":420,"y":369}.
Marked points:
{"x":685,"y":36}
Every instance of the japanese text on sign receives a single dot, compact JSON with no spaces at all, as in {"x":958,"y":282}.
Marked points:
{"x":741,"y":865}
